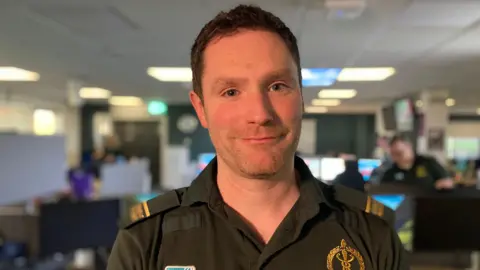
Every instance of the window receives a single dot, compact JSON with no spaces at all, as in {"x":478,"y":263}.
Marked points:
{"x":463,"y":147}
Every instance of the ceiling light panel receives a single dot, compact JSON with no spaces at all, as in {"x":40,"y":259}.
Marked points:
{"x":17,"y":74}
{"x":326,"y":102}
{"x":94,"y":93}
{"x":126,"y":101}
{"x":171,"y":74}
{"x":450,"y":102}
{"x":314,"y":109}
{"x":365,"y":74}
{"x":337,"y":93}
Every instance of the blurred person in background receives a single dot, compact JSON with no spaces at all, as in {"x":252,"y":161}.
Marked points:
{"x":332,"y":154}
{"x":382,"y":149}
{"x":111,"y":150}
{"x":382,"y":152}
{"x":347,"y":156}
{"x":351,"y":177}
{"x":256,"y":205}
{"x":412,"y":168}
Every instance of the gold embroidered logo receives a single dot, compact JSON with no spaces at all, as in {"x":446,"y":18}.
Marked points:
{"x":344,"y":257}
{"x":421,"y":172}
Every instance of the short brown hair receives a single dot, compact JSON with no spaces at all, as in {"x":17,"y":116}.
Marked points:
{"x":398,"y":138}
{"x":228,"y":23}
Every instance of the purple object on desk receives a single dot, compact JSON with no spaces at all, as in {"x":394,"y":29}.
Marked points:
{"x":81,"y":183}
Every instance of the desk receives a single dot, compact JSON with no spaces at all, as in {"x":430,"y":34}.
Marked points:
{"x":68,"y":226}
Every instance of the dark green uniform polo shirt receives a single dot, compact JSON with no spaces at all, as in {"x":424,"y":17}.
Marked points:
{"x":193,"y":229}
{"x":425,"y":171}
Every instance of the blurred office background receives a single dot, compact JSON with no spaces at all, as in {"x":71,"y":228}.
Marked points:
{"x":93,"y":118}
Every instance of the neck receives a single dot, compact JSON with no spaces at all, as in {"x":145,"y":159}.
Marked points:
{"x":252,"y":197}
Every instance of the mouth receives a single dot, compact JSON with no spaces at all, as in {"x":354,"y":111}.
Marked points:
{"x":262,"y":140}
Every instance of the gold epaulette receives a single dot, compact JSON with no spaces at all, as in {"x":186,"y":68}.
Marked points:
{"x":356,"y":199}
{"x":157,"y":205}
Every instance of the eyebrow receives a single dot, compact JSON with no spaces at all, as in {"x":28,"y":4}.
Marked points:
{"x":272,"y":76}
{"x":228,"y":81}
{"x":285,"y":74}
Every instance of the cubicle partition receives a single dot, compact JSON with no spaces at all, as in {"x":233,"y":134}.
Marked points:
{"x":31,"y":166}
{"x":125,"y":179}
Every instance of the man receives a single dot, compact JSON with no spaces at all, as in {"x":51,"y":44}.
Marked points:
{"x":415,"y":169}
{"x":351,"y":177}
{"x":256,"y":206}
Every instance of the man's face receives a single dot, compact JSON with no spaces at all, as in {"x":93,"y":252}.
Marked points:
{"x":252,"y":102}
{"x":402,"y":154}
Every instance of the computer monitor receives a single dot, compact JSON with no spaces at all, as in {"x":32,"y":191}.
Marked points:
{"x":68,"y":226}
{"x":366,"y":167}
{"x":145,"y":197}
{"x":330,"y":168}
{"x":388,"y":115}
{"x":203,"y":160}
{"x":403,"y":216}
{"x":314,"y":164}
{"x":391,"y":201}
{"x":404,"y":114}
{"x":463,"y":148}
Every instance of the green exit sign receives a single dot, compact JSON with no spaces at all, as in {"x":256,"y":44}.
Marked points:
{"x":157,"y":108}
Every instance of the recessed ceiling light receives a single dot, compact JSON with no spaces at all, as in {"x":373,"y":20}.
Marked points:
{"x":125,"y":101}
{"x":44,"y":122}
{"x":315,"y":109}
{"x":450,"y":102}
{"x":337,"y":93}
{"x":94,"y":93}
{"x":171,"y":74}
{"x":14,"y":74}
{"x":326,"y":102}
{"x":365,"y":74}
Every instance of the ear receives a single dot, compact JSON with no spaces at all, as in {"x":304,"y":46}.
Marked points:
{"x":197,"y":104}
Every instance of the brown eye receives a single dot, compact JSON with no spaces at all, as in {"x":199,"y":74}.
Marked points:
{"x":278,"y":87}
{"x":231,"y":92}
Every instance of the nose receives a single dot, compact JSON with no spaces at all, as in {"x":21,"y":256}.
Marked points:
{"x":259,"y":109}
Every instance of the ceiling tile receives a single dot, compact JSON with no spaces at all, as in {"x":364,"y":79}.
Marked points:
{"x":441,"y":13}
{"x":467,"y":43}
{"x":411,"y":39}
{"x":115,"y":56}
{"x":370,"y":58}
{"x":87,"y":20}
